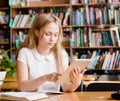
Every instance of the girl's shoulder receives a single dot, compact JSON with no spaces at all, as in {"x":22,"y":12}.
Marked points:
{"x":25,"y":49}
{"x":64,"y":53}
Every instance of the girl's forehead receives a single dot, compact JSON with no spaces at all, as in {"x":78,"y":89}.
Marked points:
{"x":51,"y":26}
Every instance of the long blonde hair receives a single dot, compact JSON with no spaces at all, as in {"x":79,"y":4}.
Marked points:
{"x":31,"y":40}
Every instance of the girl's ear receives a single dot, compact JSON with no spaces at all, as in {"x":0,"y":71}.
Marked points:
{"x":36,"y":33}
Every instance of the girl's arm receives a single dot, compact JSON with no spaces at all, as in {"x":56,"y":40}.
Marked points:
{"x":25,"y":84}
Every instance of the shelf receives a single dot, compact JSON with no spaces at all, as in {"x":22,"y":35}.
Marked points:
{"x":21,"y":28}
{"x":4,"y":8}
{"x":96,"y":26}
{"x":42,"y":6}
{"x":4,"y":42}
{"x":5,"y":23}
{"x":95,"y":4}
{"x":100,"y":72}
{"x":98,"y":47}
{"x":29,"y":27}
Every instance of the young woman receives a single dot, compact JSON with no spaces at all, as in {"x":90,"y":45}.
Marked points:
{"x":41,"y":59}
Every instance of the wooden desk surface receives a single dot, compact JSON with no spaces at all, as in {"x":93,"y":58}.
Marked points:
{"x":10,"y":84}
{"x":81,"y":96}
{"x":13,"y":84}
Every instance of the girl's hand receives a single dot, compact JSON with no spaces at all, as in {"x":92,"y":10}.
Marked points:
{"x":52,"y":77}
{"x":76,"y":75}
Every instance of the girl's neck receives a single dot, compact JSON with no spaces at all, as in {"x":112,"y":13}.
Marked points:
{"x":43,"y":51}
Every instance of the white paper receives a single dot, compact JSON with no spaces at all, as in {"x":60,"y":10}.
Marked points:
{"x":22,"y":95}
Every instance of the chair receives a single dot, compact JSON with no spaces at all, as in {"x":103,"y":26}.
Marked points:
{"x":103,"y":87}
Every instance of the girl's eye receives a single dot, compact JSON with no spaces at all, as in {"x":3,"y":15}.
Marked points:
{"x":56,"y":35}
{"x":47,"y":34}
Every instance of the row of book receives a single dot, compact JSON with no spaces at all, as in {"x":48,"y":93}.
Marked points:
{"x":87,"y":37}
{"x":4,"y":17}
{"x":112,"y":60}
{"x":25,"y":20}
{"x":18,"y":38}
{"x":103,"y":59}
{"x":24,"y":3}
{"x":93,"y":1}
{"x":96,"y":15}
{"x":4,"y":35}
{"x":28,"y":2}
{"x":21,"y":2}
{"x":80,"y":37}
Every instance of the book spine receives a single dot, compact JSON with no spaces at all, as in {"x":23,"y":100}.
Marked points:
{"x":87,"y":14}
{"x":85,"y":36}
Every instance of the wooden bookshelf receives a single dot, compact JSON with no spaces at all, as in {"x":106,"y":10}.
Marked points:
{"x":42,"y":5}
{"x":70,"y":27}
{"x":91,"y":22}
{"x":4,"y":25}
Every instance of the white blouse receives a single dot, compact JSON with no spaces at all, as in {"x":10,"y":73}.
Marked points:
{"x":39,"y":65}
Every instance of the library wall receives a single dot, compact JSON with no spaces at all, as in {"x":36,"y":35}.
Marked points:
{"x":91,"y":28}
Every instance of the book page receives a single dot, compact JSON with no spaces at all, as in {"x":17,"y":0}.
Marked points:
{"x":22,"y":96}
{"x":82,"y":63}
{"x":51,"y":92}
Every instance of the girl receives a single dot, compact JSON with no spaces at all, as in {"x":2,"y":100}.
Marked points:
{"x":41,"y":59}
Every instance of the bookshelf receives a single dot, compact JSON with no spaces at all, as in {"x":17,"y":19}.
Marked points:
{"x":4,"y":25}
{"x":92,"y":32}
{"x":88,"y":24}
{"x":58,"y":8}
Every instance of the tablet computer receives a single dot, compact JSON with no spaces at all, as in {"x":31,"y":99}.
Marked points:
{"x":82,"y":63}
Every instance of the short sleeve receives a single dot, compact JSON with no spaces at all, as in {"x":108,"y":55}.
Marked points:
{"x":65,"y":59}
{"x":22,"y":56}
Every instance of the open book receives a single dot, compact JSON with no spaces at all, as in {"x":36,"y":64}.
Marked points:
{"x":22,"y":96}
{"x":82,"y":63}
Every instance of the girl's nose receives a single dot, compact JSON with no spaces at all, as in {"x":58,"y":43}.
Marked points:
{"x":52,"y":37}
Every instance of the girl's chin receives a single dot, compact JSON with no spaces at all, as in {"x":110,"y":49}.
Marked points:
{"x":51,"y":46}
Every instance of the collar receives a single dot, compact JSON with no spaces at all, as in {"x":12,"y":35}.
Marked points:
{"x":40,"y":57}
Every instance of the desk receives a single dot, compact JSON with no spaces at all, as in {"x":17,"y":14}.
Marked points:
{"x":81,"y":96}
{"x":10,"y":84}
{"x":89,"y":82}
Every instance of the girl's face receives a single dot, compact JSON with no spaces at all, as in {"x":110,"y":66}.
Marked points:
{"x":50,"y":36}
